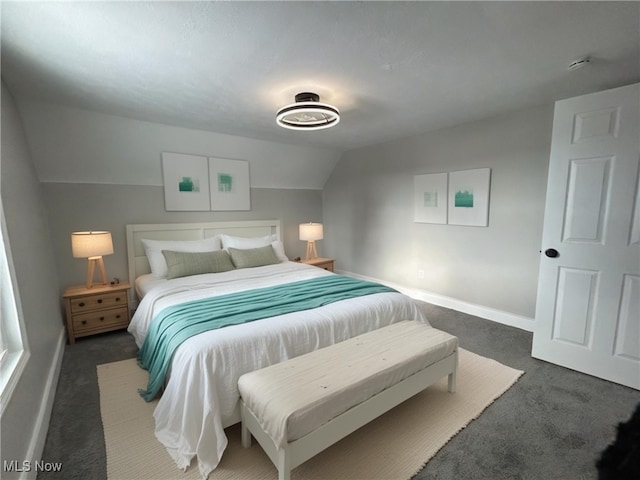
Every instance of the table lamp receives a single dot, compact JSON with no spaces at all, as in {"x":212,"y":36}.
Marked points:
{"x":92,"y":246}
{"x":311,"y":232}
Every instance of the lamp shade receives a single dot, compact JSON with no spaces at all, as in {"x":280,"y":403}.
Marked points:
{"x":311,"y":231}
{"x":91,"y":244}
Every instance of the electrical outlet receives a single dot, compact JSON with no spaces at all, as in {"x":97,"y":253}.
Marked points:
{"x":420,"y":274}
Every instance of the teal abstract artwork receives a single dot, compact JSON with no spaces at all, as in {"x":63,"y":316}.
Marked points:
{"x":188,"y":184}
{"x":430,"y":199}
{"x":463,"y":199}
{"x":225,"y":182}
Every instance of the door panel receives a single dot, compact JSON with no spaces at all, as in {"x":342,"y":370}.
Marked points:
{"x":587,"y":199}
{"x":573,"y":317}
{"x":628,"y":329}
{"x":634,"y":238}
{"x":597,"y":123}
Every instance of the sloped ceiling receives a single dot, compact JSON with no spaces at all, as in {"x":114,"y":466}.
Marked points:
{"x":394,"y":69}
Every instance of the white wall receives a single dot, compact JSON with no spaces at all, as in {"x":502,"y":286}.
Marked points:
{"x":26,"y":418}
{"x":78,"y":146}
{"x":368,"y":212}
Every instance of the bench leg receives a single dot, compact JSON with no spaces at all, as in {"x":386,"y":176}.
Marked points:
{"x":245,"y":435}
{"x":284,"y":464}
{"x":452,"y":375}
{"x":452,"y":382}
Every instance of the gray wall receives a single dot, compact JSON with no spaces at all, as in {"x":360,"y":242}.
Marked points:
{"x":101,"y":171}
{"x":70,"y":145}
{"x":72,"y":207}
{"x":368,"y":212}
{"x":25,"y":420}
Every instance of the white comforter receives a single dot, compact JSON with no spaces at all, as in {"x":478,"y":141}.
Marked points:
{"x":201,"y":396}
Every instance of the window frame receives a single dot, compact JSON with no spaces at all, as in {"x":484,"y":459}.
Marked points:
{"x":16,"y":356}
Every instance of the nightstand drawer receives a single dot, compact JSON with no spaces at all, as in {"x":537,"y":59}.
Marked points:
{"x":325,"y":265}
{"x":98,"y":301}
{"x":102,"y":319}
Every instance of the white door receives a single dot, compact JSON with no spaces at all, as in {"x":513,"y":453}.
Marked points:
{"x":588,"y":304}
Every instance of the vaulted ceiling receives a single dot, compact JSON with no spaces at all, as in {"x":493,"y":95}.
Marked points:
{"x":393,"y":69}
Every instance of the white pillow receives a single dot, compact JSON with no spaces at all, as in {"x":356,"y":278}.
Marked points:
{"x":157,"y":262}
{"x":279,"y":249}
{"x":229,"y":241}
{"x":244,"y":243}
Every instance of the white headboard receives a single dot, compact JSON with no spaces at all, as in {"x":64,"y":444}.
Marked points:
{"x":138,"y":264}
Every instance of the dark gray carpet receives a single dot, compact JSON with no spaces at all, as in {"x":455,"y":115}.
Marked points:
{"x":552,"y":424}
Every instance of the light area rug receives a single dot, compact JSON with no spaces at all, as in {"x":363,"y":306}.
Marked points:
{"x":394,"y":446}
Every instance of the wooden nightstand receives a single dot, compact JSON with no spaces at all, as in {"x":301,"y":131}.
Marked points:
{"x":326,"y":263}
{"x":96,"y":310}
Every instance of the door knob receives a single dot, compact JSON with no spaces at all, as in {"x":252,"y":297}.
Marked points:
{"x":551,"y":253}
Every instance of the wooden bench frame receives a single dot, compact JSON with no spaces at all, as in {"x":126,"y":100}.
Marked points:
{"x":299,"y":451}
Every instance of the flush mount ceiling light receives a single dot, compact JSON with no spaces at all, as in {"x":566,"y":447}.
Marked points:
{"x":308,"y":113}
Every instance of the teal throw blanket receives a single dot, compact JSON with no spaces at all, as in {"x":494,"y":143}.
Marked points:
{"x":175,"y":324}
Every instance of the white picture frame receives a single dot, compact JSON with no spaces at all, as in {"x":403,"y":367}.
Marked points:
{"x":186,"y":182}
{"x":430,"y":198}
{"x":469,"y":197}
{"x":229,"y":184}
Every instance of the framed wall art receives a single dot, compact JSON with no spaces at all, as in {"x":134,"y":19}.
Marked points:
{"x":430,"y":198}
{"x":469,"y":197}
{"x":229,"y":183}
{"x":186,"y":182}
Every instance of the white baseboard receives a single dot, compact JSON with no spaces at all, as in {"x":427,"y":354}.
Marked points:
{"x":488,"y":313}
{"x":41,"y":427}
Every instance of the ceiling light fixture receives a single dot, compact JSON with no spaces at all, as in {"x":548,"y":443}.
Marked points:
{"x":308,"y":113}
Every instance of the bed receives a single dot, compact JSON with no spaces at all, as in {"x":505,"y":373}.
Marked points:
{"x":200,"y":397}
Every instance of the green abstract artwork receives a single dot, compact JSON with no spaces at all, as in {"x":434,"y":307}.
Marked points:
{"x":430,"y":199}
{"x":225,"y":182}
{"x":188,"y":184}
{"x":463,"y":199}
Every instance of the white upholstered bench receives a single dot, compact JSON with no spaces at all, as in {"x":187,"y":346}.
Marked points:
{"x":296,"y":409}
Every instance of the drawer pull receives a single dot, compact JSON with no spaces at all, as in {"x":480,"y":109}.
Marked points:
{"x":117,"y":316}
{"x":99,"y":300}
{"x":117,"y":299}
{"x":101,"y":318}
{"x":81,"y":304}
{"x":84,"y":322}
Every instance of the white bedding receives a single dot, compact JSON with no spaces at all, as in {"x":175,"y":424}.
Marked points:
{"x":201,"y":396}
{"x":145,"y":283}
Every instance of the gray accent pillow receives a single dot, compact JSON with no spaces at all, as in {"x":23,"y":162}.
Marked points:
{"x":182,"y":264}
{"x":253,"y":257}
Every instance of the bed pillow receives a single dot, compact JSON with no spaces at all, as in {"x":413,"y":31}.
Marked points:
{"x":244,"y":243}
{"x":278,"y":248}
{"x":253,"y":257}
{"x":229,"y":241}
{"x":153,"y":250}
{"x":183,"y":264}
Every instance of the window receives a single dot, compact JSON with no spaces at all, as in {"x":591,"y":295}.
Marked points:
{"x":13,"y":347}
